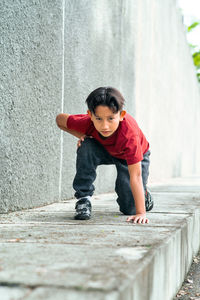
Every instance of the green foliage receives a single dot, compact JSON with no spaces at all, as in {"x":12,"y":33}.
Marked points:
{"x":193,"y":46}
{"x":196,"y":59}
{"x":195,"y":51}
{"x":193,"y":25}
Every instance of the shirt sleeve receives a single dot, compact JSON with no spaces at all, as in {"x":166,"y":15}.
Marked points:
{"x":133,"y":151}
{"x":80,"y":123}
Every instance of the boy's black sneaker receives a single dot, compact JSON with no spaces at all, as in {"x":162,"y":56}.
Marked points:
{"x":148,"y":201}
{"x":83,"y":209}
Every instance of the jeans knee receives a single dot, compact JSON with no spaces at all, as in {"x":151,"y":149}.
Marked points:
{"x":128,"y":211}
{"x":86,"y":145}
{"x":127,"y":208}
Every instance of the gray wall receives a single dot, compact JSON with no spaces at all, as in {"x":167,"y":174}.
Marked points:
{"x":166,"y":91}
{"x":54,"y":53}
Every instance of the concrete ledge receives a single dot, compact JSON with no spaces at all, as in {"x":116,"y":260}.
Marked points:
{"x":45,"y":254}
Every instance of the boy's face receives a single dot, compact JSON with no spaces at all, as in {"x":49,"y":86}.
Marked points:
{"x":105,"y":121}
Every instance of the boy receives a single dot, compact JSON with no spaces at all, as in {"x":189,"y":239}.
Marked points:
{"x":108,"y":135}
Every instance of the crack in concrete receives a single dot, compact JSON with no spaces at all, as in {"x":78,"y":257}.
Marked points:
{"x":35,"y":286}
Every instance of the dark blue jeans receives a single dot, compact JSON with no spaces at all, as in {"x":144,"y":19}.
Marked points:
{"x":92,"y":154}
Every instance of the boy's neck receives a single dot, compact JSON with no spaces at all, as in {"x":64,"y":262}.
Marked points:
{"x":103,"y":137}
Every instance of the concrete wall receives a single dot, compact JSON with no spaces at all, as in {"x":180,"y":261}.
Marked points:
{"x":166,"y":91}
{"x":31,"y":70}
{"x":54,"y":53}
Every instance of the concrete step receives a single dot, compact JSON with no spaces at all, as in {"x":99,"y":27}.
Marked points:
{"x":46,"y":254}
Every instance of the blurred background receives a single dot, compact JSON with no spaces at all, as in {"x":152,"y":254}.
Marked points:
{"x":191,"y":19}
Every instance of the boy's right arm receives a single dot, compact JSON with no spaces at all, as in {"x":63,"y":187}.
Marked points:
{"x":61,"y":121}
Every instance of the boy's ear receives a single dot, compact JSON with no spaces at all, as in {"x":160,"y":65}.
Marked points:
{"x":122,"y":115}
{"x":89,"y":113}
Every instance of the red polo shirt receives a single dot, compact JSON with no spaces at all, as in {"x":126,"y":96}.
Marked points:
{"x":127,"y":142}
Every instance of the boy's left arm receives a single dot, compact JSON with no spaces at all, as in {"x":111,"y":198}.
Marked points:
{"x":138,"y":194}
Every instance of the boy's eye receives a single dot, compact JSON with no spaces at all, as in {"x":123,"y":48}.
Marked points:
{"x":98,"y":119}
{"x":111,"y":118}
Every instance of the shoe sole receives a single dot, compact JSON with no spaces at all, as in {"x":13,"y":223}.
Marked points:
{"x":150,"y":208}
{"x":82,"y":217}
{"x":151,"y":203}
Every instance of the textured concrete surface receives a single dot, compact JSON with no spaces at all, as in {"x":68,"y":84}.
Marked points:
{"x":99,"y":51}
{"x":166,"y":92}
{"x":30,"y":83}
{"x":46,"y":254}
{"x":53,"y":54}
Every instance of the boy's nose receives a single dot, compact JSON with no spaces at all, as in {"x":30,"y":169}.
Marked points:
{"x":105,"y":126}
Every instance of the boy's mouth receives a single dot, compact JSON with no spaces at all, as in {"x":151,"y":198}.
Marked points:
{"x":106,"y":132}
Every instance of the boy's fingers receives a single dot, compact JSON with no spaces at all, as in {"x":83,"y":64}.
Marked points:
{"x":82,"y":138}
{"x":134,"y":219}
{"x":139,"y":220}
{"x":79,"y":143}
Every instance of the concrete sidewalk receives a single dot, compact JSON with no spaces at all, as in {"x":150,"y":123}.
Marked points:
{"x":45,"y":254}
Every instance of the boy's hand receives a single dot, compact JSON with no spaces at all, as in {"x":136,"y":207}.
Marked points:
{"x":139,"y":218}
{"x":82,"y":138}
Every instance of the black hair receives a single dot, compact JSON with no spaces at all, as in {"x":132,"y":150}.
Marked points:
{"x":105,"y":96}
